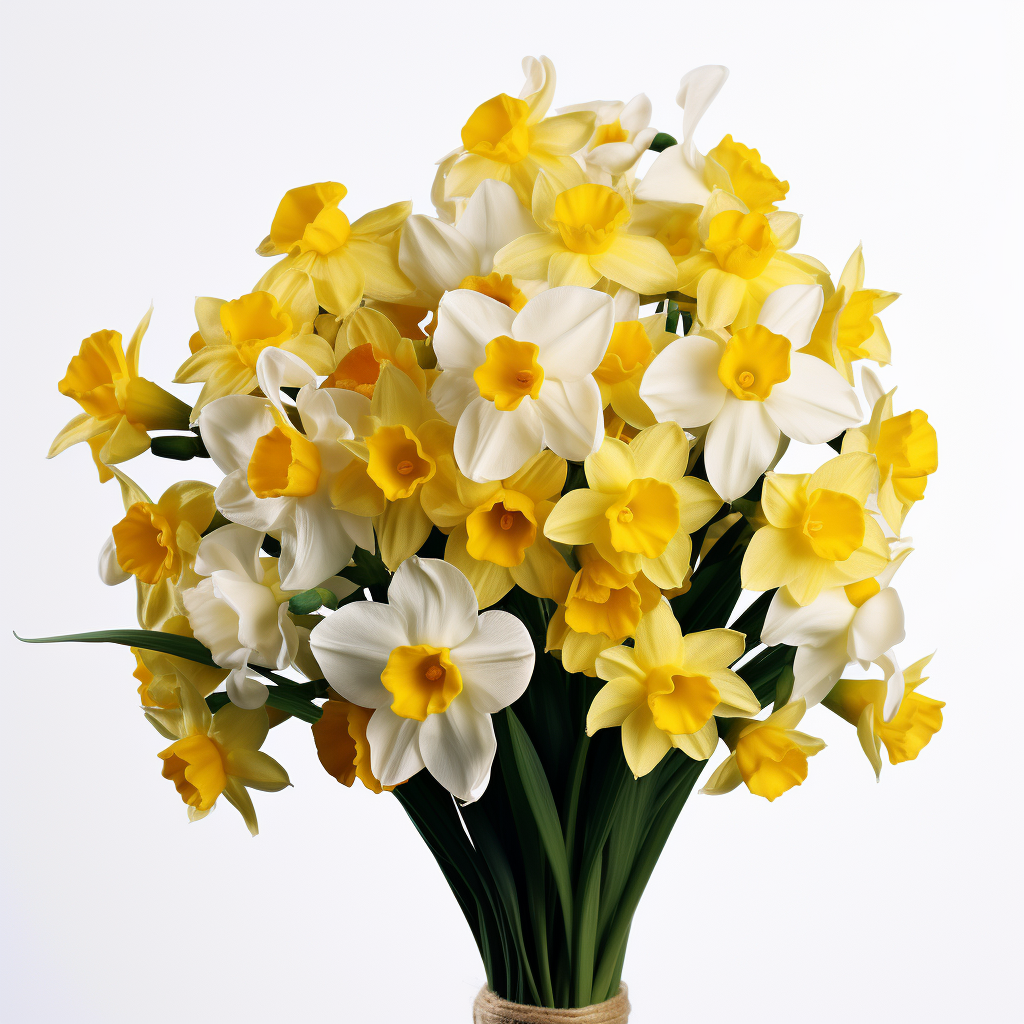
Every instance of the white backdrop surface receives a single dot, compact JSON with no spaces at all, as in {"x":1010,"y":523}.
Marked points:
{"x":145,"y":149}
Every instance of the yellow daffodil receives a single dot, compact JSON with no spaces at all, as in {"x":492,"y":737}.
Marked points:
{"x":599,"y":608}
{"x":819,"y":533}
{"x":750,"y":180}
{"x":367,"y":339}
{"x":511,"y":140}
{"x":905,"y":447}
{"x":232,"y":335}
{"x":120,"y":407}
{"x":640,"y":507}
{"x":666,"y":691}
{"x":860,"y":702}
{"x":769,"y":756}
{"x":676,"y":226}
{"x":345,"y":260}
{"x":848,"y":328}
{"x":622,"y":134}
{"x":497,"y":532}
{"x":586,"y":238}
{"x":407,"y":452}
{"x":341,"y":744}
{"x":217,"y":754}
{"x":742,"y":260}
{"x":160,"y":675}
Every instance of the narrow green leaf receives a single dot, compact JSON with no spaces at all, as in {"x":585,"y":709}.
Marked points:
{"x":149,"y":639}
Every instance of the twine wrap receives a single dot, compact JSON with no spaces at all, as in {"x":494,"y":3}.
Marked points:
{"x":491,"y":1009}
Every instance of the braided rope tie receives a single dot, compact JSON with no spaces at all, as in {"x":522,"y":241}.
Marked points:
{"x":492,"y":1009}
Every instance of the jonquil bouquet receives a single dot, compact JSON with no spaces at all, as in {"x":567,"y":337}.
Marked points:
{"x":497,"y":515}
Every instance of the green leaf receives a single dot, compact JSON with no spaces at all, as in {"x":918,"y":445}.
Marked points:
{"x":369,"y":570}
{"x":181,"y":449}
{"x":662,"y":141}
{"x":751,"y":622}
{"x":149,"y":639}
{"x":310,"y":600}
{"x":672,"y":317}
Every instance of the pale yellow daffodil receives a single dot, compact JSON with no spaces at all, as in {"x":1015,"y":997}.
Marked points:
{"x":849,"y":328}
{"x":640,"y":507}
{"x":345,"y":260}
{"x":511,"y":140}
{"x":586,"y":238}
{"x":905,"y":447}
{"x":860,"y":702}
{"x":214,"y":755}
{"x":120,"y":407}
{"x":232,"y":335}
{"x":819,"y":533}
{"x":666,"y":691}
{"x":769,"y":756}
{"x":160,"y":674}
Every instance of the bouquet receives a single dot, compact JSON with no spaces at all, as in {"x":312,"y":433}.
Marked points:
{"x":498,"y":516}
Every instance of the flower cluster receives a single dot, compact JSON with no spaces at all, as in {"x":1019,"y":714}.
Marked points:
{"x":520,"y":449}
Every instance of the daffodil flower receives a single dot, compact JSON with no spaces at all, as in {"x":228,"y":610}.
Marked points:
{"x":640,"y":506}
{"x":120,"y":407}
{"x":512,"y":141}
{"x":743,"y":260}
{"x":280,"y":479}
{"x":345,"y":260}
{"x":514,"y":383}
{"x":585,"y":238}
{"x":160,"y":675}
{"x":769,"y":756}
{"x":239,"y":611}
{"x":341,"y":744}
{"x":861,"y":702}
{"x":849,"y":328}
{"x":666,"y":691}
{"x":622,"y":134}
{"x":432,"y":670}
{"x":439,"y":257}
{"x":752,"y":389}
{"x":819,"y":534}
{"x":904,"y":446}
{"x":497,"y":532}
{"x":860,"y":622}
{"x":232,"y":335}
{"x":219,"y":754}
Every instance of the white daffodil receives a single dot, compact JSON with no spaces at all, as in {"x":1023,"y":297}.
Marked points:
{"x":439,"y":257}
{"x":516,"y":383}
{"x":239,"y":611}
{"x":433,"y":671}
{"x":860,"y":622}
{"x":622,"y":134}
{"x":278,"y":479}
{"x":752,"y":389}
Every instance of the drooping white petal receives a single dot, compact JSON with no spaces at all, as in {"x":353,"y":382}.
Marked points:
{"x":352,"y":646}
{"x":815,"y":403}
{"x":493,"y":217}
{"x":816,"y":669}
{"x":740,"y":445}
{"x":877,"y":626}
{"x":496,"y":661}
{"x":245,"y":690}
{"x":571,"y":412}
{"x":394,"y":746}
{"x":436,"y":601}
{"x":792,"y":311}
{"x":829,"y":615}
{"x":458,"y":749}
{"x":110,"y":570}
{"x":278,"y":368}
{"x":571,"y":326}
{"x":231,"y":548}
{"x":491,"y":444}
{"x":466,"y":322}
{"x":436,"y":256}
{"x":315,"y":543}
{"x":682,"y":383}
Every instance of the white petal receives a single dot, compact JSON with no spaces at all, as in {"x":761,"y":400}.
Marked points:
{"x":315,"y":544}
{"x":636,"y":114}
{"x":829,"y":615}
{"x":352,"y":647}
{"x":815,"y":403}
{"x":673,"y":179}
{"x":330,"y":414}
{"x":682,"y":383}
{"x":451,"y":393}
{"x":572,"y":414}
{"x":394,"y":746}
{"x":817,"y":669}
{"x":231,"y":427}
{"x":571,"y":326}
{"x":615,"y":157}
{"x":740,"y":445}
{"x":491,"y":444}
{"x":258,"y":618}
{"x":435,"y":256}
{"x":232,"y":548}
{"x":895,"y":684}
{"x":235,"y":501}
{"x":697,"y":89}
{"x":877,"y":625}
{"x":215,"y":625}
{"x":246,"y":691}
{"x":872,"y":386}
{"x":494,"y":217}
{"x":110,"y":569}
{"x":436,"y":601}
{"x":466,"y":322}
{"x":458,"y":749}
{"x":277,"y":368}
{"x":792,"y":311}
{"x":496,"y":661}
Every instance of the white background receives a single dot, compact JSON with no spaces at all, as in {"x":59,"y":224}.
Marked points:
{"x":145,"y":149}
